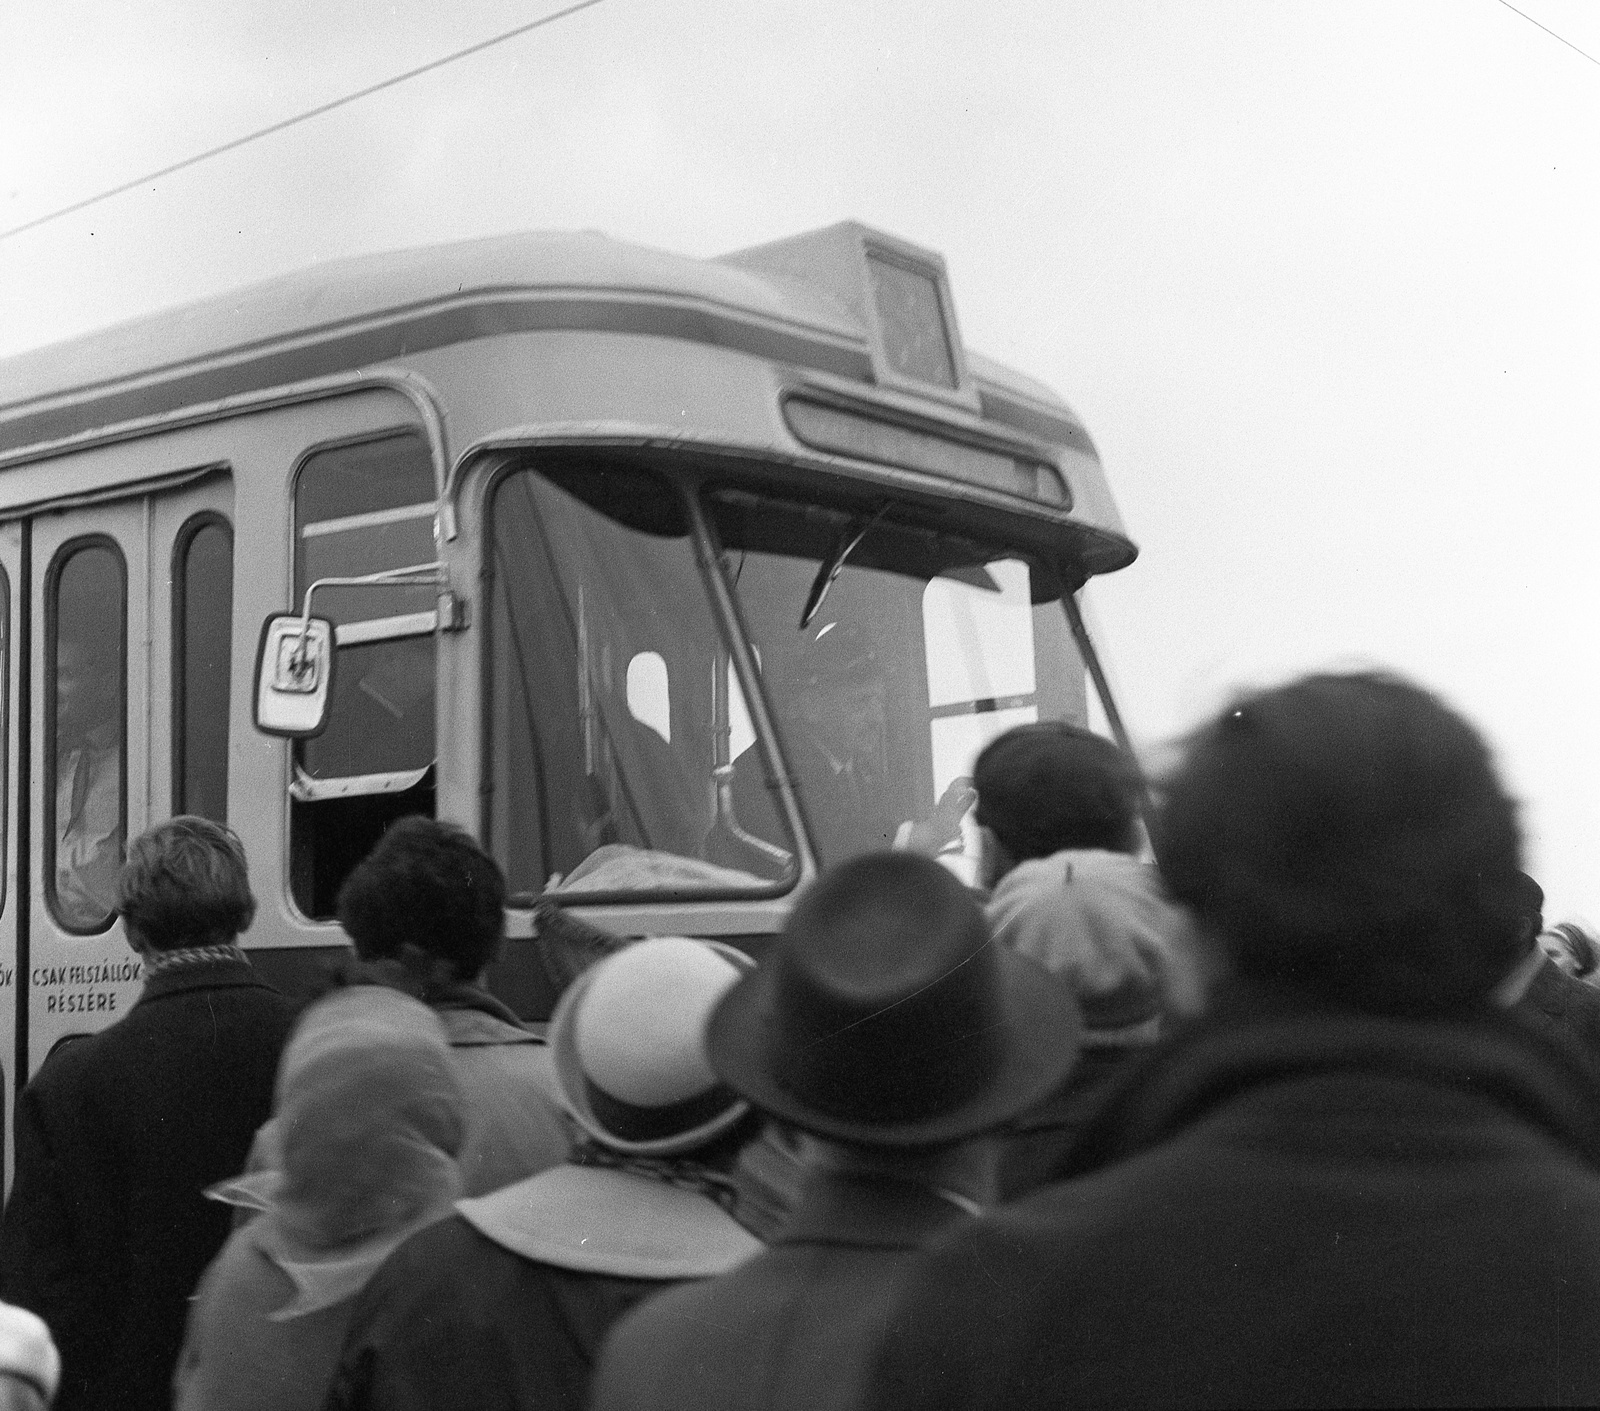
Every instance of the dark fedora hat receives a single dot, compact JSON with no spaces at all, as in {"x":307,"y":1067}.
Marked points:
{"x":885,"y":1015}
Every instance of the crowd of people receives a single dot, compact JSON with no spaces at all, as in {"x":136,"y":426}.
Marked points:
{"x":1305,"y":1113}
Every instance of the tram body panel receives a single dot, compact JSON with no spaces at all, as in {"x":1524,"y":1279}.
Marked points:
{"x":468,"y":408}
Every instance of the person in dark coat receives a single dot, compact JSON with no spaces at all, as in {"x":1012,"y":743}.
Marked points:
{"x":1355,"y":1180}
{"x":887,"y":1028}
{"x":1060,"y":832}
{"x":119,"y":1135}
{"x":503,"y":1305}
{"x":1542,"y":993}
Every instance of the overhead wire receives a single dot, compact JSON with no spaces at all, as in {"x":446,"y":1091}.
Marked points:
{"x":1546,"y":28}
{"x":306,"y":116}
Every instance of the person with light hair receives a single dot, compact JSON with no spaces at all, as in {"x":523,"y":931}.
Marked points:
{"x":120,"y":1134}
{"x":362,"y":1152}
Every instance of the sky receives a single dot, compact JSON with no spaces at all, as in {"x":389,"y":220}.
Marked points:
{"x":1320,"y":278}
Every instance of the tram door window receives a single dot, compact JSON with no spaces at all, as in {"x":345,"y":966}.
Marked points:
{"x":359,"y":509}
{"x":85,"y":794}
{"x":202,"y":638}
{"x":129,"y":609}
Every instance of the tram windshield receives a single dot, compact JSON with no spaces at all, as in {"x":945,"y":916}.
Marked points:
{"x":891,"y":653}
{"x":622,"y":756}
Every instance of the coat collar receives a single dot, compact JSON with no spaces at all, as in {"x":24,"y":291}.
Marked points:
{"x":208,"y":976}
{"x":474,"y":1018}
{"x":597,"y":1220}
{"x":868,"y":1212}
{"x":1255,"y":1036}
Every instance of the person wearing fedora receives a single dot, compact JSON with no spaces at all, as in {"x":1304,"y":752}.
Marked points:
{"x":888,"y":1030}
{"x":502,"y":1306}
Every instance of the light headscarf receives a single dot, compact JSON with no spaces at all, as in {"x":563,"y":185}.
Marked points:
{"x":361,"y":1149}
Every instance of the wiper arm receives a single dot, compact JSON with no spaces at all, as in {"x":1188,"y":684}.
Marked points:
{"x":832,"y":568}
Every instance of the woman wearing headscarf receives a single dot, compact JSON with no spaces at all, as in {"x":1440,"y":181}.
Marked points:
{"x":361,"y":1153}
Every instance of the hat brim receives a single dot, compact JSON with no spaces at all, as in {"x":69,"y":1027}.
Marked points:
{"x":569,"y":1076}
{"x":1041,"y":1042}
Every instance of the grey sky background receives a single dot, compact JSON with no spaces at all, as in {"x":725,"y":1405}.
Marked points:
{"x":1320,"y":277}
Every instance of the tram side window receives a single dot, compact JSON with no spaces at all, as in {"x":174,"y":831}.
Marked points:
{"x":202,"y":638}
{"x":361,"y":508}
{"x":85,"y":733}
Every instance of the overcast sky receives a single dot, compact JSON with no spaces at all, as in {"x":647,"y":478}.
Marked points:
{"x":1320,"y":278}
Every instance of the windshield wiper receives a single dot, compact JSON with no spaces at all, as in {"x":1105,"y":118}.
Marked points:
{"x":832,"y":567}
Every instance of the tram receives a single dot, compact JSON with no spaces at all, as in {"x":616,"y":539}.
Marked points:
{"x":672,"y":580}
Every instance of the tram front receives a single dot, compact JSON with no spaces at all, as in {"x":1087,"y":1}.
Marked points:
{"x":757,"y":559}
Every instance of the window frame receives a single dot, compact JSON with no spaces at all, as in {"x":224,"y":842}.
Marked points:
{"x":305,"y":787}
{"x":52,"y":624}
{"x":188,"y":532}
{"x":686,"y":481}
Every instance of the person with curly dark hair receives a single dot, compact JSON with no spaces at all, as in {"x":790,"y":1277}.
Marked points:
{"x":425,"y":911}
{"x":1060,"y":832}
{"x":1356,"y":1179}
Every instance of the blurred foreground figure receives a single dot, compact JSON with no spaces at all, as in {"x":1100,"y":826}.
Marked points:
{"x":426,"y":910}
{"x":502,"y":1307}
{"x":1355,"y":1180}
{"x":887,"y":1028}
{"x":1059,"y":825}
{"x":119,"y":1135}
{"x":361,"y":1154}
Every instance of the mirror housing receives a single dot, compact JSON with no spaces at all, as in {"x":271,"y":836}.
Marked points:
{"x":294,"y":675}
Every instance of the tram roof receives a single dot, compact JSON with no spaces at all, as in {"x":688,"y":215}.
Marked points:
{"x":371,"y":309}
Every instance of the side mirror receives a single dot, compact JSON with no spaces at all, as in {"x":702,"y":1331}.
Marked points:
{"x":294,"y":675}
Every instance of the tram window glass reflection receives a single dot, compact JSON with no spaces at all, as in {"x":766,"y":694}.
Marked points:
{"x":607,"y":719}
{"x":925,"y":646}
{"x":85,"y":733}
{"x":360,"y":508}
{"x":202,"y":638}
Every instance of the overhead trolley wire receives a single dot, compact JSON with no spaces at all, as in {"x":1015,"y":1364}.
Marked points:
{"x":306,"y":116}
{"x":1546,"y":28}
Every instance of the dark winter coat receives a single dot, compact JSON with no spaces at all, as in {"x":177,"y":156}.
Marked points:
{"x":107,"y":1231}
{"x":794,"y":1327}
{"x":1292,"y":1206}
{"x":1559,"y":1003}
{"x":454,"y":1322}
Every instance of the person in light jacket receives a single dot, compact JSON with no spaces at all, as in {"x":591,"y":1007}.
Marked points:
{"x":426,"y":912}
{"x":361,"y":1153}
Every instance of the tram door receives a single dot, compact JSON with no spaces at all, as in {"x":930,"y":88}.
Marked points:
{"x":130,"y":629}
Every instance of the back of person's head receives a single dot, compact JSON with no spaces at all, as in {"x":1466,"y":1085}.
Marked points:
{"x":1049,"y":786}
{"x":426,"y":885}
{"x":186,"y":883}
{"x":1349,"y":835}
{"x":885,"y":1017}
{"x":1097,"y":921}
{"x":368,"y":1117}
{"x":627,"y":1042}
